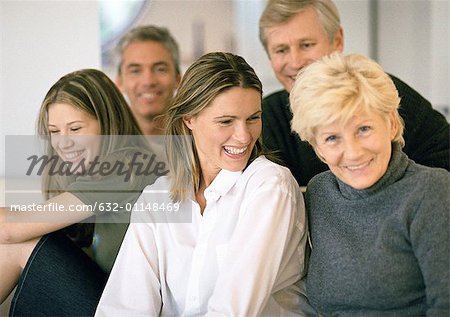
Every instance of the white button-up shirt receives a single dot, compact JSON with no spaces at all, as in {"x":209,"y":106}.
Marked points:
{"x":242,"y":257}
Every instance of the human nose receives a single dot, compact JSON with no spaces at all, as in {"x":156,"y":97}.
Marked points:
{"x":242,"y":133}
{"x":297,"y":59}
{"x":63,"y":141}
{"x":148,"y":77}
{"x":353,"y":149}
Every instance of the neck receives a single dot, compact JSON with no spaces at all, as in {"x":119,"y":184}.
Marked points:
{"x":200,"y":197}
{"x":151,"y":126}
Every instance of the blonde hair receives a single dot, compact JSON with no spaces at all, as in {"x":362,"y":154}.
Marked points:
{"x":335,"y":88}
{"x":204,"y":80}
{"x":281,"y":11}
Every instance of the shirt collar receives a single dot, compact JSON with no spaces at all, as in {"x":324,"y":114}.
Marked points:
{"x":221,"y":184}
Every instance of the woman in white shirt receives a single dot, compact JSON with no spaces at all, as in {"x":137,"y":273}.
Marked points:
{"x":225,"y":233}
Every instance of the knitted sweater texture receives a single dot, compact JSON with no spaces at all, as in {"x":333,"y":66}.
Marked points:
{"x":382,"y":251}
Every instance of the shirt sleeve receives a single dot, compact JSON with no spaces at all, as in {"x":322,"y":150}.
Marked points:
{"x":266,"y":253}
{"x":133,"y":288}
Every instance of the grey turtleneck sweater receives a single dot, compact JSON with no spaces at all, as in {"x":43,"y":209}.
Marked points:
{"x":381,"y":251}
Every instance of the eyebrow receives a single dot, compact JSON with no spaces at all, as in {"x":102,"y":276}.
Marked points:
{"x":68,"y":123}
{"x":229,"y":116}
{"x":135,"y":65}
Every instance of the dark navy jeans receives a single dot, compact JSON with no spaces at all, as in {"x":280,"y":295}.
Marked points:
{"x":58,"y":280}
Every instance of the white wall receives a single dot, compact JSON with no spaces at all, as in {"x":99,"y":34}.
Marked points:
{"x":40,"y":42}
{"x":413,"y":42}
{"x":415,"y":45}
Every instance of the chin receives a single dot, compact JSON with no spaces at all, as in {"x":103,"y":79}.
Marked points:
{"x":234,"y":167}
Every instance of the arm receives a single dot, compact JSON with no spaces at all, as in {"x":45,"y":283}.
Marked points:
{"x":133,"y":287}
{"x":266,"y":253}
{"x":430,"y":242}
{"x":20,"y":226}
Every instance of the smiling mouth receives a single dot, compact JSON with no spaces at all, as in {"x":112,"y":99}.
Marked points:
{"x":71,"y":156}
{"x":148,"y":95}
{"x":358,"y":167}
{"x":235,"y":150}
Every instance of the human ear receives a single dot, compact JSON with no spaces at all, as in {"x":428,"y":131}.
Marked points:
{"x":189,"y":121}
{"x":338,"y":41}
{"x":394,"y":125}
{"x":318,"y":153}
{"x":178,"y":80}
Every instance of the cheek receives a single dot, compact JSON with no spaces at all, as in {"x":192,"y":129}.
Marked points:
{"x":329,"y":156}
{"x":276,"y":63}
{"x":256,"y":131}
{"x":54,"y":143}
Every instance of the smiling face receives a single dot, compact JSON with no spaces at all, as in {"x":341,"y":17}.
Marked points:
{"x":357,"y":153}
{"x":297,"y":43}
{"x":73,"y":134}
{"x":226,"y":131}
{"x":148,"y":78}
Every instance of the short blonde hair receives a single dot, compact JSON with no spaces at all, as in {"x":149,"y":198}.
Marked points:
{"x":338,"y":86}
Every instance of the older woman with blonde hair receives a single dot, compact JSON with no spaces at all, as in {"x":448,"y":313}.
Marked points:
{"x":378,"y":221}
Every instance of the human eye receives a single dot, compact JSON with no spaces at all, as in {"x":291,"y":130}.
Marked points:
{"x":75,"y":129}
{"x":331,"y":139}
{"x":53,"y":131}
{"x":134,"y":70}
{"x":255,"y":117}
{"x":364,"y":129}
{"x":307,"y":45}
{"x":280,"y":50}
{"x":162,"y":69}
{"x":225,"y":122}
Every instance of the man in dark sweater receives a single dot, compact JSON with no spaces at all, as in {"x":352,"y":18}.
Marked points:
{"x":296,"y":33}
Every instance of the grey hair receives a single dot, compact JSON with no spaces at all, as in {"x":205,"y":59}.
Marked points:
{"x":149,"y":33}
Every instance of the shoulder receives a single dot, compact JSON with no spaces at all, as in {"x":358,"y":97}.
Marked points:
{"x":276,"y":113}
{"x":322,"y":184}
{"x":275,"y":99}
{"x":411,"y":100}
{"x":427,"y":179}
{"x":263,"y":171}
{"x":161,"y":184}
{"x":402,"y":86}
{"x":321,"y":180}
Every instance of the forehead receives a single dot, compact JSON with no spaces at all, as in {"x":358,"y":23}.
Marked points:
{"x":303,"y":25}
{"x":146,"y":52}
{"x":236,"y":101}
{"x":66,"y":112}
{"x":360,"y":117}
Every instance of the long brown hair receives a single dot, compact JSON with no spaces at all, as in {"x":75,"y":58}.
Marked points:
{"x":204,"y":80}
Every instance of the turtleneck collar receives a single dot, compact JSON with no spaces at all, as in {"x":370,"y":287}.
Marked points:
{"x":397,"y":166}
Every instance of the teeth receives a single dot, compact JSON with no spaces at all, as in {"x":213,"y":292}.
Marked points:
{"x":72,"y":155}
{"x":355,"y":167}
{"x":148,"y":95}
{"x":233,"y":150}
